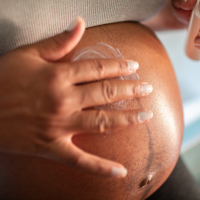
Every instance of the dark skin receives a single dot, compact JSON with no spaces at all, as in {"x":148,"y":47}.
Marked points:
{"x":149,"y":152}
{"x":44,"y":102}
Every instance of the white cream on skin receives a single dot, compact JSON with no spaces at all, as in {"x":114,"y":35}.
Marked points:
{"x":102,"y":50}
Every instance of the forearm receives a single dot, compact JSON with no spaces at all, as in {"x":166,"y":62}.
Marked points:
{"x":165,"y":19}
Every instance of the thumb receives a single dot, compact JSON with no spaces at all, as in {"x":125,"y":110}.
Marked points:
{"x":65,"y":152}
{"x":56,"y":47}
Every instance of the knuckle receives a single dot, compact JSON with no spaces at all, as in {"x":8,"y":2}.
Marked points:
{"x":59,"y":75}
{"x":73,"y":162}
{"x":99,"y":68}
{"x":58,"y":41}
{"x":122,"y":66}
{"x":101,"y":121}
{"x":55,"y":75}
{"x":130,"y":119}
{"x":99,"y":167}
{"x":56,"y":103}
{"x":78,"y":162}
{"x":109,"y":91}
{"x":54,"y":94}
{"x":44,"y":134}
{"x":136,"y":89}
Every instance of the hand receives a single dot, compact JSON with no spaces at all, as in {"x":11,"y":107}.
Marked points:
{"x":42,"y":104}
{"x":183,"y":9}
{"x":197,"y":41}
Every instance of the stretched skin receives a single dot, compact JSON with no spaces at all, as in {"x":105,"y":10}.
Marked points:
{"x":149,"y":152}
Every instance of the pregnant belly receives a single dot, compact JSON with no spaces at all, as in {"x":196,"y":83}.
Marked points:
{"x":149,"y":152}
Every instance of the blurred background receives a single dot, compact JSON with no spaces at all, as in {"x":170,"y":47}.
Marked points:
{"x":188,"y":75}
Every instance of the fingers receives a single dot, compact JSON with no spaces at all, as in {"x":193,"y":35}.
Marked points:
{"x":183,"y":9}
{"x":183,"y":15}
{"x":184,"y":4}
{"x":108,"y":91}
{"x":55,"y":48}
{"x":99,"y":121}
{"x":67,"y":153}
{"x":96,"y":69}
{"x":197,"y":41}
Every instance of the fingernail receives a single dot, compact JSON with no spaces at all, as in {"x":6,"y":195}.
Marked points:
{"x":118,"y":172}
{"x":132,"y":66}
{"x":144,"y":115}
{"x":185,"y":1}
{"x":73,"y":24}
{"x":146,"y":89}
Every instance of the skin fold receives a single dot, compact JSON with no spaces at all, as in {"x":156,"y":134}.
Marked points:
{"x":149,"y":151}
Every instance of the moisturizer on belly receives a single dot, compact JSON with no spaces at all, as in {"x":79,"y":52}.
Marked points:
{"x":102,"y":50}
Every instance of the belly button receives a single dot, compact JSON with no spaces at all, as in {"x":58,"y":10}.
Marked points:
{"x":146,"y":181}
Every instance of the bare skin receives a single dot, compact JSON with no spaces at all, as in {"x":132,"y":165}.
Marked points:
{"x":174,"y":15}
{"x":197,"y":41}
{"x":148,"y":152}
{"x":42,"y":103}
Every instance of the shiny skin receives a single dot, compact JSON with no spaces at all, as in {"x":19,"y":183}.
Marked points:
{"x":149,"y":152}
{"x":43,"y":102}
